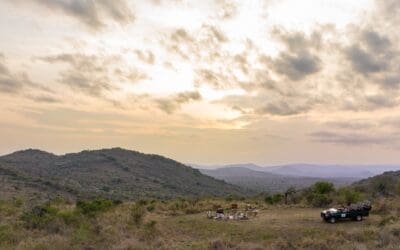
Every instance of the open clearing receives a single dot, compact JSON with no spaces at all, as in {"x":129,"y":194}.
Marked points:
{"x":273,"y":228}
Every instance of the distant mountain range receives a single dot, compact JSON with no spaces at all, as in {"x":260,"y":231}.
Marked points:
{"x":268,"y":182}
{"x":115,"y":173}
{"x":279,"y":178}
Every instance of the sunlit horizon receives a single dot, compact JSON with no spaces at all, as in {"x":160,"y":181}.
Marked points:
{"x":205,"y":82}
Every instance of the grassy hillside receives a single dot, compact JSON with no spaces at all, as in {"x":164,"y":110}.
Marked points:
{"x":37,"y":222}
{"x":267,"y":182}
{"x":182,"y":224}
{"x":385,"y":184}
{"x":114,"y":173}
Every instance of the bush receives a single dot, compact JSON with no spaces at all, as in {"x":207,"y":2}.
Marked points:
{"x":6,"y":236}
{"x":7,"y":208}
{"x":70,"y":217}
{"x":95,"y":206}
{"x":149,"y":230}
{"x":142,"y":202}
{"x":150,"y":208}
{"x":39,"y":216}
{"x":320,"y":194}
{"x":274,"y":199}
{"x":320,"y":200}
{"x":398,"y":188}
{"x":323,"y":187}
{"x":82,"y":233}
{"x":348,"y":196}
{"x":137,"y":214}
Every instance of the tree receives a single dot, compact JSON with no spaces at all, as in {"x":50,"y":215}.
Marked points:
{"x":319,"y":194}
{"x":274,"y":199}
{"x":323,"y":187}
{"x":398,"y":188}
{"x":348,"y":195}
{"x":288,"y":193}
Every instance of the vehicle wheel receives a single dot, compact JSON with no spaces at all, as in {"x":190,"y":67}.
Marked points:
{"x":332,"y":220}
{"x":359,"y":218}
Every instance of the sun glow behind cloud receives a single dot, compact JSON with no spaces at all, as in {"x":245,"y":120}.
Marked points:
{"x":183,"y":78}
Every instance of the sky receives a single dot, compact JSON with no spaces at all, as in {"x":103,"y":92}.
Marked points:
{"x":206,"y":82}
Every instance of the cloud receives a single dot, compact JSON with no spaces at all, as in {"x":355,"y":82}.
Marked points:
{"x":171,"y":104}
{"x":375,"y":41}
{"x":10,"y":85}
{"x":9,"y":82}
{"x":87,"y":73}
{"x":352,"y":125}
{"x":215,"y":33}
{"x":351,"y":139}
{"x":283,"y":108}
{"x":45,"y":99}
{"x":227,"y":9}
{"x":297,"y":66}
{"x":363,"y":62}
{"x":145,"y":56}
{"x":299,"y":59}
{"x":375,"y":56}
{"x":91,"y":85}
{"x":388,"y":10}
{"x":92,"y":13}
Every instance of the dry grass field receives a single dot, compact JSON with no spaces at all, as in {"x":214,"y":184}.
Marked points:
{"x":273,"y":228}
{"x":182,"y":224}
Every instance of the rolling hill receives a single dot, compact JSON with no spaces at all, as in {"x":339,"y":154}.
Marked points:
{"x":267,"y":182}
{"x":113,"y":173}
{"x":387,"y":183}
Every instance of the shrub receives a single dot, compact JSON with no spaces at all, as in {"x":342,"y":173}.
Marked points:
{"x":39,"y":216}
{"x":274,"y":199}
{"x":398,"y":188}
{"x":7,"y":208}
{"x":70,"y":217}
{"x":396,"y":232}
{"x":320,"y":200}
{"x":322,"y":187}
{"x":95,"y":206}
{"x":82,"y":233}
{"x":5,"y":234}
{"x":150,"y":208}
{"x":149,"y":230}
{"x":142,"y":202}
{"x":320,"y":194}
{"x":137,"y":214}
{"x":348,"y":195}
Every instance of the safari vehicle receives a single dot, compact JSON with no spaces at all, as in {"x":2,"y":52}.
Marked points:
{"x":355,"y":212}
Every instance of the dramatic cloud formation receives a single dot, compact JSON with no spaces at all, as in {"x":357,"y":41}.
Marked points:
{"x":209,"y":81}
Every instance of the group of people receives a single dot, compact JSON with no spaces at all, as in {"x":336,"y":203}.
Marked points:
{"x":233,"y":214}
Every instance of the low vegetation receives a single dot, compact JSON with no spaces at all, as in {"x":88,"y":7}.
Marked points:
{"x":33,"y":216}
{"x":285,"y":221}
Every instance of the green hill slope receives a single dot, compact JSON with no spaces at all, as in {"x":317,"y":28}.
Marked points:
{"x":114,"y":173}
{"x":385,"y":184}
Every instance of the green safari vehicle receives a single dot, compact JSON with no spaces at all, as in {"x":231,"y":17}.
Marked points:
{"x":354,"y":212}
